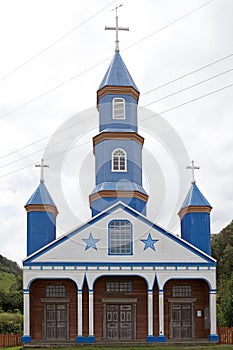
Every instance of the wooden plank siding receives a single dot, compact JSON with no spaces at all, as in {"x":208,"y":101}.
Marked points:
{"x":200,"y":292}
{"x":139,"y":293}
{"x":37,"y":293}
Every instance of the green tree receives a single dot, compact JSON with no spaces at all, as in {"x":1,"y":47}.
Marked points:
{"x":222,"y":250}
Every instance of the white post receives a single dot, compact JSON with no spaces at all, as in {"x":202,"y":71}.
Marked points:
{"x":80,"y":313}
{"x":150,"y":313}
{"x":26,"y":299}
{"x":212,"y":297}
{"x":161,"y":313}
{"x":91,"y":313}
{"x":26,"y":338}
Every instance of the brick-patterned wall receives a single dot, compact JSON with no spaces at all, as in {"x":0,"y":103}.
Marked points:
{"x":200,"y":291}
{"x":37,"y":292}
{"x":139,"y":293}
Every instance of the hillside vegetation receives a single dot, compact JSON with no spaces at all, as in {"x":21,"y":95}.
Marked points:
{"x":222,"y":250}
{"x":11,"y":298}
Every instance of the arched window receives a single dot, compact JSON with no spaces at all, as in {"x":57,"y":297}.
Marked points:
{"x":118,"y":108}
{"x":119,"y":160}
{"x":120,"y":238}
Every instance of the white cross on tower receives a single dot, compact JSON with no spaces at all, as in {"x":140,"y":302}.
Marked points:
{"x":117,"y":28}
{"x":42,"y":166}
{"x":193,"y":167}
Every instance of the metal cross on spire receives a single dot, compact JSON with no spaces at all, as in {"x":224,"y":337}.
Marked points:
{"x":117,"y":28}
{"x":42,"y":166}
{"x":193,"y":167}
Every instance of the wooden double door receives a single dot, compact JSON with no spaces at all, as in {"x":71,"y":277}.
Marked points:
{"x":181,"y":321}
{"x":120,"y":321}
{"x":56,"y":321}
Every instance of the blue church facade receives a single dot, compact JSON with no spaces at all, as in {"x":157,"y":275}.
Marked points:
{"x":119,"y":276}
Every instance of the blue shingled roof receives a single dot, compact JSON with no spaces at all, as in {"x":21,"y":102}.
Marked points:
{"x":117,"y":74}
{"x":41,"y":196}
{"x":195,"y":198}
{"x":119,"y":186}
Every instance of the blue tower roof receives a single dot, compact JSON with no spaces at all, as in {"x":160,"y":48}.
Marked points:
{"x":117,"y":74}
{"x":195,"y":198}
{"x":41,"y":196}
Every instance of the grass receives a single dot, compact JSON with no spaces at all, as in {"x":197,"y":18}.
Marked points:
{"x":150,"y":347}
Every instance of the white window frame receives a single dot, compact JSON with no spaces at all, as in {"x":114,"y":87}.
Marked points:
{"x":118,"y":108}
{"x":120,"y":237}
{"x":119,"y":159}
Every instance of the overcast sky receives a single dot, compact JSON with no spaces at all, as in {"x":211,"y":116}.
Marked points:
{"x":54,"y":54}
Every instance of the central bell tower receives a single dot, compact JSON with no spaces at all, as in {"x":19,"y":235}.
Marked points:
{"x":118,"y":146}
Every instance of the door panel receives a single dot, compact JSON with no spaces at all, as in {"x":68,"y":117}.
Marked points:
{"x":56,"y":324}
{"x":181,"y":321}
{"x":120,"y":320}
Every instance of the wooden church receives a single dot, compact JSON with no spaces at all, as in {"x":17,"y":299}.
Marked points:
{"x":118,"y":276}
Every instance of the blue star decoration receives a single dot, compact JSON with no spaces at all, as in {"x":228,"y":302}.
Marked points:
{"x":149,"y":242}
{"x":90,"y":242}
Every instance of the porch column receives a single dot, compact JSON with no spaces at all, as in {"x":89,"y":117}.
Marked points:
{"x":91,"y":336}
{"x":161,"y":316}
{"x":26,"y":338}
{"x":80,"y":313}
{"x":150,"y":338}
{"x":80,"y":338}
{"x":213,"y":337}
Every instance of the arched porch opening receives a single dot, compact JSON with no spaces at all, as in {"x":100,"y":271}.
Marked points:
{"x":120,"y":308}
{"x":53,"y":310}
{"x":186,"y":309}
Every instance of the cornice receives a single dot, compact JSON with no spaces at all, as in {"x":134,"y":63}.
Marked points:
{"x":41,"y":208}
{"x":117,"y":90}
{"x":118,"y":194}
{"x":194,"y":209}
{"x":117,"y":136}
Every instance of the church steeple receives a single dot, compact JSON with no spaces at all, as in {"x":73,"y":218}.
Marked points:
{"x":195,"y":217}
{"x":118,"y":146}
{"x":41,"y":216}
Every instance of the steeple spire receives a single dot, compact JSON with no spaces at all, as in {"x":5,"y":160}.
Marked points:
{"x":117,"y":28}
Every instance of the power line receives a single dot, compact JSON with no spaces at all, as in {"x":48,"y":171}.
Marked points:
{"x":53,"y":156}
{"x":158,"y":87}
{"x":189,"y":87}
{"x":44,"y":138}
{"x":171,"y":23}
{"x":50,"y":146}
{"x":153,"y":115}
{"x":51,"y":90}
{"x":99,"y":63}
{"x":187,"y":74}
{"x":193,"y":100}
{"x":54,"y":42}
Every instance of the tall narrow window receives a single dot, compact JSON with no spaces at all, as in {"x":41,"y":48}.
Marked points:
{"x":120,"y":238}
{"x":119,"y":160}
{"x":118,"y":108}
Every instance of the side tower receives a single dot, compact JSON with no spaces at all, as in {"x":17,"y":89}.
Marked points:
{"x":118,"y":146}
{"x":41,"y":217}
{"x":195,"y":218}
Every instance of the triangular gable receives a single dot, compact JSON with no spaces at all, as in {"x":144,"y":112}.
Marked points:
{"x":151,"y":243}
